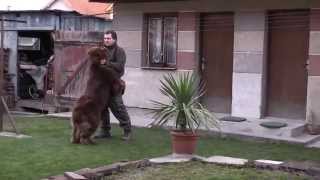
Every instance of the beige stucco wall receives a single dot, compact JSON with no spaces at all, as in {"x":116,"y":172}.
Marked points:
{"x":313,"y":98}
{"x":143,"y":84}
{"x":249,"y":61}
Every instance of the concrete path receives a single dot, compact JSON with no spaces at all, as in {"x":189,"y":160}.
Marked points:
{"x":293,"y":133}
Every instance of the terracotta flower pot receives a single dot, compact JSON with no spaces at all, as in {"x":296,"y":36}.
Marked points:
{"x":183,"y":142}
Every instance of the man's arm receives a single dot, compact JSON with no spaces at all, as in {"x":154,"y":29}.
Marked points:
{"x":118,"y":85}
{"x":118,"y":66}
{"x":109,"y":71}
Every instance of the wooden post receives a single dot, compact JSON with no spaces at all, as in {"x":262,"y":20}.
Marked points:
{"x":3,"y":106}
{"x":1,"y":70}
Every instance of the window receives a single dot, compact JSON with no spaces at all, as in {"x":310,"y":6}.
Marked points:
{"x":29,"y":43}
{"x":161,"y":40}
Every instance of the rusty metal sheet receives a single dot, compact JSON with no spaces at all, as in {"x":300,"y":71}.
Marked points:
{"x":70,"y":52}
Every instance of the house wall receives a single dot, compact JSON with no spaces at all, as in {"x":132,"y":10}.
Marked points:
{"x":249,"y":64}
{"x":187,"y":37}
{"x":250,"y":58}
{"x":213,"y":5}
{"x":140,"y":80}
{"x":313,"y":103}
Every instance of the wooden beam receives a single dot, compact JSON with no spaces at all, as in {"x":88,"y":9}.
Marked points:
{"x":131,"y":1}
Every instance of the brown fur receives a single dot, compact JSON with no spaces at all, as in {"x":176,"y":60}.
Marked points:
{"x":86,"y":114}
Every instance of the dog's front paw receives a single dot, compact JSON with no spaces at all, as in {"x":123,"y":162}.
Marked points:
{"x":75,"y":141}
{"x":86,"y":141}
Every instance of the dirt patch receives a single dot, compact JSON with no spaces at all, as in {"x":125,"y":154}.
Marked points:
{"x":199,"y":170}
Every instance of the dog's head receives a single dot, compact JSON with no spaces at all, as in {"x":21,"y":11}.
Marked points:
{"x":96,"y":54}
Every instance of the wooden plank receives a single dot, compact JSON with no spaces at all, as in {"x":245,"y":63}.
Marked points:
{"x":36,"y":104}
{"x":11,"y":120}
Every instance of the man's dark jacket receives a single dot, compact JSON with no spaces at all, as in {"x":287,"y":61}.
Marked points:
{"x":117,"y":58}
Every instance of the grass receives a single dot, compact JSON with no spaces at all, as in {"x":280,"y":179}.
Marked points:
{"x":49,"y":152}
{"x":201,"y":171}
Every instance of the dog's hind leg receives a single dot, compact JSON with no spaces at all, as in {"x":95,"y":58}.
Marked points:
{"x":75,"y":139}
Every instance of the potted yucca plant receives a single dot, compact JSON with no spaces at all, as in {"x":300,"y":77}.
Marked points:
{"x":184,"y":110}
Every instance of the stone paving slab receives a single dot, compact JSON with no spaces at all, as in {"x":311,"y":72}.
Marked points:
{"x":172,"y":158}
{"x":74,"y":176}
{"x":227,"y":160}
{"x":263,"y":161}
{"x":178,"y":158}
{"x":267,"y":164}
{"x":14,"y":135}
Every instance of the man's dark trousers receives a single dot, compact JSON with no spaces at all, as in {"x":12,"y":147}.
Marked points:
{"x":119,"y":110}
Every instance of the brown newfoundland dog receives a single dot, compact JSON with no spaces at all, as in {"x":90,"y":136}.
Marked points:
{"x":102,"y":81}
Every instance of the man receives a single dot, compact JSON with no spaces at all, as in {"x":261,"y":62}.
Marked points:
{"x":116,"y":105}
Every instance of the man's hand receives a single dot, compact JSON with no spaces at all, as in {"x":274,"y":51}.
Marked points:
{"x":104,"y":62}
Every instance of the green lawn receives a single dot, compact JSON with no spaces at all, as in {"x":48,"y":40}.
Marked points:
{"x":49,"y":152}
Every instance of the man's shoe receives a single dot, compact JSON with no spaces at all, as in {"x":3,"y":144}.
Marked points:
{"x":126,"y":136}
{"x":102,"y":135}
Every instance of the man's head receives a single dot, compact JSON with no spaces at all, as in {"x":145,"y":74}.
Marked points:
{"x":110,"y":38}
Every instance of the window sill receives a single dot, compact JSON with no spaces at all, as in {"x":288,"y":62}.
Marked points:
{"x":159,"y":68}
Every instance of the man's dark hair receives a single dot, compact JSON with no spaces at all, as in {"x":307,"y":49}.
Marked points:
{"x":113,"y":34}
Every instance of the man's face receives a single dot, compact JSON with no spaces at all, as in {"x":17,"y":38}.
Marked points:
{"x":108,"y":40}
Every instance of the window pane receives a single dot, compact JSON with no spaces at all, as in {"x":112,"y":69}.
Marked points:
{"x":170,"y":31}
{"x":155,"y":40}
{"x":29,"y":43}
